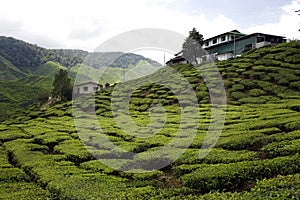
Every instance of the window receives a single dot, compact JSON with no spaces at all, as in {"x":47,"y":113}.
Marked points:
{"x":223,"y":38}
{"x":214,"y":41}
{"x":95,"y":89}
{"x":85,"y":89}
{"x":206,"y":44}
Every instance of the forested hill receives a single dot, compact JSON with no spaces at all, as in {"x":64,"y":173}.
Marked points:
{"x":28,"y":57}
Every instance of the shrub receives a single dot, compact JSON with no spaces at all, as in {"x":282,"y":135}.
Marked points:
{"x":237,"y":95}
{"x":216,"y":155}
{"x":258,"y":75}
{"x":256,"y":92}
{"x":295,"y":85}
{"x":242,"y":141}
{"x":283,"y":148}
{"x":96,"y":166}
{"x":237,"y":87}
{"x":87,"y":186}
{"x":230,"y":177}
{"x":249,"y":84}
{"x":12,"y":134}
{"x":254,"y":100}
{"x":294,"y":59}
{"x":12,"y":174}
{"x":280,"y":187}
{"x":22,"y":190}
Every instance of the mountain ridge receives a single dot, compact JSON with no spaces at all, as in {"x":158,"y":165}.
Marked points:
{"x":29,"y":57}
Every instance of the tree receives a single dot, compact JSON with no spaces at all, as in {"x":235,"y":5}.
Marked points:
{"x":192,"y":46}
{"x":62,"y":86}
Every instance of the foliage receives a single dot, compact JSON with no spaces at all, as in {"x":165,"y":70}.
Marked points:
{"x":234,"y":176}
{"x":192,"y":46}
{"x":62,"y":85}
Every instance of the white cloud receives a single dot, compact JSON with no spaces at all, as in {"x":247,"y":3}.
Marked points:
{"x":287,"y":26}
{"x":86,"y":24}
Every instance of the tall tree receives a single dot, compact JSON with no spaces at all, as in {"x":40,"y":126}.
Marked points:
{"x":62,"y":86}
{"x":192,"y":46}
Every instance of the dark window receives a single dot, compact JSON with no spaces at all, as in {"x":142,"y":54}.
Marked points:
{"x":206,"y":44}
{"x":223,"y":38}
{"x":85,"y":89}
{"x":95,"y":89}
{"x":214,"y":41}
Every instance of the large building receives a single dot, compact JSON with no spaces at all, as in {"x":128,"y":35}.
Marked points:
{"x":231,"y":44}
{"x":234,"y":43}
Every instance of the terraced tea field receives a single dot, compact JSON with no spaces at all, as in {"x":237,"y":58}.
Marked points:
{"x":44,"y":155}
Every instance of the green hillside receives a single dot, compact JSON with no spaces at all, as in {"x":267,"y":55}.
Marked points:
{"x":20,"y":93}
{"x":28,"y":57}
{"x":49,"y":69}
{"x":113,"y":74}
{"x":8,"y":71}
{"x":21,"y":61}
{"x":44,"y":155}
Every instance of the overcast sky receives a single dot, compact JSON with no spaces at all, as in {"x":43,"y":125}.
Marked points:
{"x":86,"y":24}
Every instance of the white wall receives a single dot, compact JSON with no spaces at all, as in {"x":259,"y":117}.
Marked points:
{"x":90,"y":88}
{"x":219,"y":40}
{"x":224,"y":56}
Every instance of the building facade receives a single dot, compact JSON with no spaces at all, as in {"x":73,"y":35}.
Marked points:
{"x":233,"y":43}
{"x":229,"y":45}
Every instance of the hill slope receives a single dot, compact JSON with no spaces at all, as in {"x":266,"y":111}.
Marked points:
{"x":49,"y":69}
{"x":255,"y":157}
{"x":19,"y":60}
{"x":28,"y":57}
{"x":8,"y":71}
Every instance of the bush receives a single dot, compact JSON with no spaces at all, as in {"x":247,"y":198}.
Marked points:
{"x":280,"y":187}
{"x":97,"y":166}
{"x":294,"y":59}
{"x":12,"y":174}
{"x":295,"y":85}
{"x":216,"y":155}
{"x":22,"y":190}
{"x":249,"y":84}
{"x":237,"y":95}
{"x":87,"y":186}
{"x":256,"y":92}
{"x":231,"y":177}
{"x":254,"y":100}
{"x":237,"y":87}
{"x":283,"y":148}
{"x":251,"y":140}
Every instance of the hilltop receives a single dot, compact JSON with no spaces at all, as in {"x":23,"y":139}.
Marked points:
{"x":44,"y":155}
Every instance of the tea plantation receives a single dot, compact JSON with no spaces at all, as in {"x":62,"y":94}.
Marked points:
{"x":45,"y":154}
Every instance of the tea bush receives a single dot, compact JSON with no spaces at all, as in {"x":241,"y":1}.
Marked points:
{"x":230,"y":177}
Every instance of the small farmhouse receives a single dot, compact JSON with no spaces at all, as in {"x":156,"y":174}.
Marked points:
{"x":87,"y":88}
{"x":178,"y":59}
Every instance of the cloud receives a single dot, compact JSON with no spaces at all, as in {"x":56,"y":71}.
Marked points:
{"x":86,"y":24}
{"x":288,"y":24}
